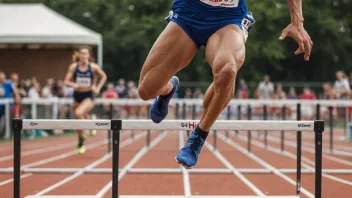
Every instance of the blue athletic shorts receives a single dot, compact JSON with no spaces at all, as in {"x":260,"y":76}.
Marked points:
{"x":200,"y":20}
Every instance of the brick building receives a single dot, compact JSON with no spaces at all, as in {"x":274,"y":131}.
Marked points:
{"x":37,"y":41}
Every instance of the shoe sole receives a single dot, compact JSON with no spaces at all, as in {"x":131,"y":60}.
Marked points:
{"x":186,"y":167}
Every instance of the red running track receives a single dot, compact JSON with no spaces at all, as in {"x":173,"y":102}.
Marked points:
{"x":161,"y":155}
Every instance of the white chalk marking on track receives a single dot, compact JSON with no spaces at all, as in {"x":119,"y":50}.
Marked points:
{"x":11,"y":180}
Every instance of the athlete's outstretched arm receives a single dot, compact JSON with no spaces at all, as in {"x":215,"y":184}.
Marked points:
{"x":296,"y":29}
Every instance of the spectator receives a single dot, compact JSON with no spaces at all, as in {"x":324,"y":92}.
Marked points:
{"x":7,"y":90}
{"x":132,"y":90}
{"x":47,"y":91}
{"x":188,"y":93}
{"x":327,"y":91}
{"x":110,"y":92}
{"x":266,"y":88}
{"x":242,"y":92}
{"x":307,"y":110}
{"x":21,"y":89}
{"x":342,"y":86}
{"x":58,"y":89}
{"x":27,"y":85}
{"x":350,"y":79}
{"x":34,"y":92}
{"x":280,"y":93}
{"x":14,"y":79}
{"x":121,"y":89}
{"x":292,"y":94}
{"x":198,"y":93}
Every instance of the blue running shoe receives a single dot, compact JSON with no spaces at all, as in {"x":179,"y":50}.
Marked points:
{"x":188,"y":155}
{"x":160,"y":107}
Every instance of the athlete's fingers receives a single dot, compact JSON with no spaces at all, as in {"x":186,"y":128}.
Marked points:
{"x":284,"y":33}
{"x":308,"y":47}
{"x":300,"y":42}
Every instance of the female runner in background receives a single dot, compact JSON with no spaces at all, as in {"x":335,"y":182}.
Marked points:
{"x":80,"y":76}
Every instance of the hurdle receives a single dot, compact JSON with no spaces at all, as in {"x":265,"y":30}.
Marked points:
{"x":116,"y":126}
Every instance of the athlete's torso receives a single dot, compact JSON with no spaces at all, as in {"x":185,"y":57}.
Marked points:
{"x":84,"y":79}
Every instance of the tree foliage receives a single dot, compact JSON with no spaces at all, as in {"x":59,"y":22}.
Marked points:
{"x":130,"y":27}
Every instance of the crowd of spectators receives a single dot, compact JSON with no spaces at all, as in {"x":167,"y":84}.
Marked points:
{"x":13,"y":86}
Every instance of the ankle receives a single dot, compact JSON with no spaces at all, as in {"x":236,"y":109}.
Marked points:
{"x":201,"y":133}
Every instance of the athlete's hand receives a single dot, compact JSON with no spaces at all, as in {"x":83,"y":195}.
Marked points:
{"x":75,"y":86}
{"x":297,"y":32}
{"x":95,"y":91}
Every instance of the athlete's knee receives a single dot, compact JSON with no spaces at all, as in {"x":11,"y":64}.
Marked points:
{"x":225,"y":76}
{"x":143,"y":92}
{"x":79,"y":114}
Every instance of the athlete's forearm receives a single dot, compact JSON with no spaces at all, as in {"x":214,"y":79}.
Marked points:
{"x":295,"y":7}
{"x":102,"y":82}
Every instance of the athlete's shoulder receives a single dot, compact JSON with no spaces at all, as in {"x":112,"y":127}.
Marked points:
{"x":72,"y":67}
{"x":94,"y":66}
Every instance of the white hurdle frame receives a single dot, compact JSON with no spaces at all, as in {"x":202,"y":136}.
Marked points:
{"x":176,"y":125}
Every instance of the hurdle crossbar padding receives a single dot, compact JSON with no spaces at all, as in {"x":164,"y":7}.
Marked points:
{"x":168,"y":125}
{"x":173,"y":170}
{"x":220,"y":125}
{"x":63,"y":196}
{"x":212,"y":196}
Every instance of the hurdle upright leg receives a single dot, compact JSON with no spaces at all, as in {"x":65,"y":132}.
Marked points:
{"x":116,"y":129}
{"x":319,"y":129}
{"x":17,"y":128}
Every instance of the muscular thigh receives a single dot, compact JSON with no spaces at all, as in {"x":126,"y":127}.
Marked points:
{"x":85,"y":106}
{"x":171,"y":52}
{"x":227,"y":45}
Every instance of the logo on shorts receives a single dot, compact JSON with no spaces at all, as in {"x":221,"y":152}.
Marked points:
{"x":33,"y":123}
{"x":303,"y":125}
{"x":101,"y":124}
{"x":189,"y":125}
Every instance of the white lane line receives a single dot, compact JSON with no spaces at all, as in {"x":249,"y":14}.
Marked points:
{"x":234,"y":170}
{"x":70,"y":153}
{"x":310,"y":150}
{"x":44,"y":149}
{"x":263,"y":163}
{"x":11,"y":180}
{"x":131,"y":163}
{"x":77,"y":174}
{"x":293,"y":156}
{"x":186,"y":180}
{"x":38,"y":151}
{"x":326,"y":149}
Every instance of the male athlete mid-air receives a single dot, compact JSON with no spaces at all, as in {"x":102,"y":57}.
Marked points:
{"x":222,"y":26}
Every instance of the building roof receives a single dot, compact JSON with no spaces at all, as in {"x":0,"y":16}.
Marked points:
{"x":38,"y":24}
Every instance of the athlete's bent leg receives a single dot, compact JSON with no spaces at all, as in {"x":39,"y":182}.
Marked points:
{"x":81,"y":110}
{"x":225,"y":53}
{"x":171,"y":52}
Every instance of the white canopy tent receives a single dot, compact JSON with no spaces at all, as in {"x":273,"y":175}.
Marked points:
{"x":37,"y":24}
